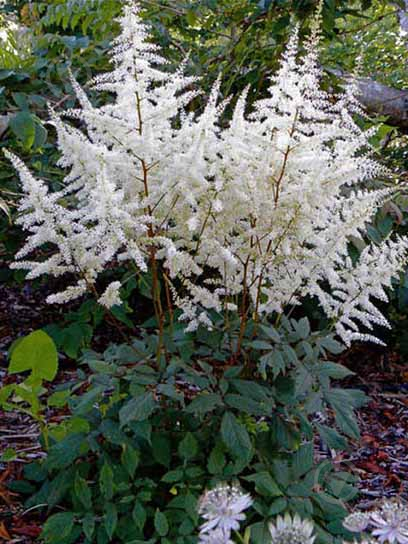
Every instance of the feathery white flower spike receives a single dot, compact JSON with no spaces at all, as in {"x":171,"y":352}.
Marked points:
{"x":266,"y":205}
{"x":111,"y":296}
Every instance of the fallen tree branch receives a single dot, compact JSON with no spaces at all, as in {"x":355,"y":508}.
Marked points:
{"x":380,"y":99}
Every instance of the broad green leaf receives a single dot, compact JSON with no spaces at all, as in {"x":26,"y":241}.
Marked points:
{"x":261,"y":345}
{"x":235,"y":436}
{"x":40,"y":135}
{"x":23,"y":126}
{"x":247,"y":405}
{"x":106,"y":481}
{"x":111,"y":519}
{"x":58,"y":526}
{"x":161,"y":449}
{"x":252,"y":389}
{"x":188,"y":447}
{"x":334,"y":370}
{"x":87,"y":401}
{"x":173,"y":476}
{"x":264,"y":484}
{"x":204,"y":403}
{"x":331,"y":507}
{"x":160,"y":523}
{"x":83,"y":492}
{"x":331,"y":437}
{"x":277,"y":506}
{"x":332,"y":345}
{"x":271,"y":333}
{"x":63,"y":453}
{"x":302,"y":327}
{"x":302,"y":460}
{"x":9,"y":454}
{"x":59,"y":486}
{"x":130,"y":459}
{"x":191,"y":17}
{"x":216,"y":461}
{"x":259,"y":533}
{"x":35,"y":352}
{"x":343,"y":401}
{"x":137,"y":409}
{"x":88,"y":525}
{"x":139,"y":515}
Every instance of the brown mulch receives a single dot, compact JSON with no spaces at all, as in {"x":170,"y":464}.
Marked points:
{"x":379,"y":459}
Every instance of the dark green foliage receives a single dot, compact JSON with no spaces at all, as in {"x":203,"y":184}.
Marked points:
{"x":146,"y":439}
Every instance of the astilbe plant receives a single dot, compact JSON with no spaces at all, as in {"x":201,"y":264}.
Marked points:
{"x":248,"y":218}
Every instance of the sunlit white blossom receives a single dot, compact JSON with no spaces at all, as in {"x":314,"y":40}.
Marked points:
{"x":265,"y":205}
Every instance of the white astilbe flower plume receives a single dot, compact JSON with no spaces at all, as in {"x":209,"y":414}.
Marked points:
{"x":261,"y":211}
{"x":291,"y":530}
{"x":222,"y":508}
{"x":111,"y":296}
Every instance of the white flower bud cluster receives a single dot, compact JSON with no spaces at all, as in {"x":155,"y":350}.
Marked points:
{"x":264,"y":208}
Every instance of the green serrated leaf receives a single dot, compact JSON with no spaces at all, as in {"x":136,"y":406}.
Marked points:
{"x":161,"y":449}
{"x":111,"y":519}
{"x":83,"y":492}
{"x":23,"y":126}
{"x":332,"y":438}
{"x":137,"y":409}
{"x":88,"y":525}
{"x":265,"y":485}
{"x":139,"y":515}
{"x":235,"y":437}
{"x":65,"y":452}
{"x":130,"y":459}
{"x":106,"y":481}
{"x":57,"y":527}
{"x":204,"y":403}
{"x":188,"y":447}
{"x":160,"y":523}
{"x":334,"y":370}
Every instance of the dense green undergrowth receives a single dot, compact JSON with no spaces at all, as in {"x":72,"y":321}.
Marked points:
{"x":144,"y":439}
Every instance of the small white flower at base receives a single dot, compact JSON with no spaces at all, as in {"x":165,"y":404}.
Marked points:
{"x":111,"y":296}
{"x":357,"y":522}
{"x":222,"y":508}
{"x":288,"y":530}
{"x":215,"y":537}
{"x":390,"y":523}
